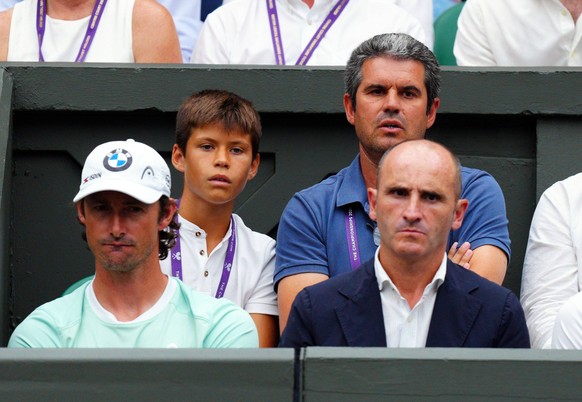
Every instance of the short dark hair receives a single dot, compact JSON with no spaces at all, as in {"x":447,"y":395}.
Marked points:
{"x":167,"y":237}
{"x":213,"y":106}
{"x":398,"y":46}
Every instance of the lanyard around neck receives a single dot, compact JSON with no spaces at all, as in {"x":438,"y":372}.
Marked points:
{"x":315,"y":40}
{"x":41,"y":11}
{"x":352,"y":239}
{"x":176,"y":255}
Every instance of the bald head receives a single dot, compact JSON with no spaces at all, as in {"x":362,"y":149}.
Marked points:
{"x":416,"y":202}
{"x":424,"y":152}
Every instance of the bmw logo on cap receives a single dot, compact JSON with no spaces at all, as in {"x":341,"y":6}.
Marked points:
{"x":117,"y":160}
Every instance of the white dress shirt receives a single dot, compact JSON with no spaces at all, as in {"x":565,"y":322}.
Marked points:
{"x":517,"y":33}
{"x":250,"y":284}
{"x":239,"y":32}
{"x":406,"y":327}
{"x":552,"y":270}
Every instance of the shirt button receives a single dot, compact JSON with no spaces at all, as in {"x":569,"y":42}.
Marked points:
{"x":309,"y":22}
{"x":409,"y":318}
{"x":198,"y":234}
{"x":205,"y":273}
{"x":201,"y":252}
{"x":564,"y":12}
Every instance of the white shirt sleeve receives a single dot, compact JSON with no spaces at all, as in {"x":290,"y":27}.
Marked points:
{"x":550,"y":271}
{"x":472,"y":46}
{"x":567,"y":333}
{"x":6,"y":4}
{"x":422,"y":10}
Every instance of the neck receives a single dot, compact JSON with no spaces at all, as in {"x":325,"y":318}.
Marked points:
{"x":574,"y":7}
{"x":70,"y":10}
{"x":410,"y":277}
{"x":128,"y":295}
{"x":213,"y":219}
{"x":369,"y":169}
{"x":309,"y":3}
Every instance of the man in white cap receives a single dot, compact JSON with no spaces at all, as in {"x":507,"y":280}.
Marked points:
{"x":125,"y":207}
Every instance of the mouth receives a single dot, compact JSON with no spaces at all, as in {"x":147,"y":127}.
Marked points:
{"x":220,"y":179}
{"x":391,"y":125}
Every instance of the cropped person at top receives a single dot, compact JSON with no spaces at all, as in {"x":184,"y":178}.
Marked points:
{"x":392,"y":84}
{"x":140,"y":31}
{"x":519,"y":33}
{"x":217,"y":150}
{"x":296,"y":32}
{"x":124,"y":205}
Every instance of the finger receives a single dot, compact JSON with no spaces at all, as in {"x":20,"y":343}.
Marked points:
{"x":453,"y":251}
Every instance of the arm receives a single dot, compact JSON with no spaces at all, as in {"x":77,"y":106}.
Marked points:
{"x":289,"y":287}
{"x":186,"y":15}
{"x":484,"y":226}
{"x":513,"y":329}
{"x":268,"y":329}
{"x":154,"y":35}
{"x":298,"y":333}
{"x":5,"y":18}
{"x":472,"y":46}
{"x":567,"y":332}
{"x":550,"y":270}
{"x":232,"y":328}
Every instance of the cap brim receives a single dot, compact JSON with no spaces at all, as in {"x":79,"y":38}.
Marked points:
{"x":141,"y":193}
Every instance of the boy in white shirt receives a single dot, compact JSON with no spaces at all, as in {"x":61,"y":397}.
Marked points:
{"x":217,"y":141}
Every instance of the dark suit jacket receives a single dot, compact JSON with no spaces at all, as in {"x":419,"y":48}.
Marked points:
{"x":346,"y":310}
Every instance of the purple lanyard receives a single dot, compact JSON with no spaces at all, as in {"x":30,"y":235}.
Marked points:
{"x":89,"y":35}
{"x":352,"y":238}
{"x":228,"y":259}
{"x":315,"y":40}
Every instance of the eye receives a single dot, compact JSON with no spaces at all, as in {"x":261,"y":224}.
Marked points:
{"x":398,"y":192}
{"x":206,"y":147}
{"x":237,"y":151}
{"x":432,"y":197}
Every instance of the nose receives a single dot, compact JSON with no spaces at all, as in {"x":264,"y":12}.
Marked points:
{"x":412,"y":211}
{"x":222,"y":157}
{"x":117,"y":227}
{"x":391,"y":102}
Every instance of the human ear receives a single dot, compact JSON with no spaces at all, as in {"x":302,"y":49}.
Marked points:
{"x":178,"y":158}
{"x":254,"y":167}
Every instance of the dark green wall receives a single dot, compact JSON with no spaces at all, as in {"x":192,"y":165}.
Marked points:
{"x":521,"y":126}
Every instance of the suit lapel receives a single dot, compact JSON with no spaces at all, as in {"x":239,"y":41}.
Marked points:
{"x":454,"y":312}
{"x":360,"y":312}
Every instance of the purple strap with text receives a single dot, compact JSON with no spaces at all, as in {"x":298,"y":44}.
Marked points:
{"x":315,"y":40}
{"x":89,"y":34}
{"x":176,"y":255}
{"x":352,"y":239}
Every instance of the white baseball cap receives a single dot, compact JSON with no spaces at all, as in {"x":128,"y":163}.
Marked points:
{"x":130,"y":167}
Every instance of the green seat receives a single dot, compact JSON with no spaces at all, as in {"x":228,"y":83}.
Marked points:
{"x":445,"y":30}
{"x":77,"y":284}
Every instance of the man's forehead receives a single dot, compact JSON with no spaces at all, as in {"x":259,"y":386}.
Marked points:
{"x":386,"y":66}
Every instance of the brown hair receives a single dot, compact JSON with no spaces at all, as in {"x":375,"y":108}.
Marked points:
{"x":214,"y":106}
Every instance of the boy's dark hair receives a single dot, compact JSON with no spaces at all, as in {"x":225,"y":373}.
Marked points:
{"x":213,"y":106}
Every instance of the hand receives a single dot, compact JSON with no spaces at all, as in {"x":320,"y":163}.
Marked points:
{"x":462,"y":255}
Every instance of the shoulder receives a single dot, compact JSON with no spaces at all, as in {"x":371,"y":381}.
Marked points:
{"x":478,"y":181}
{"x":145,"y":11}
{"x":477,"y":286}
{"x":326,"y":189}
{"x":349,"y":283}
{"x":570,"y":187}
{"x":256,"y":239}
{"x":42,"y":328}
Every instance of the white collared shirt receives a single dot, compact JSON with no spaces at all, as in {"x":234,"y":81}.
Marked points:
{"x":518,"y":33}
{"x":250,"y":285}
{"x":406,"y":327}
{"x":239,"y":32}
